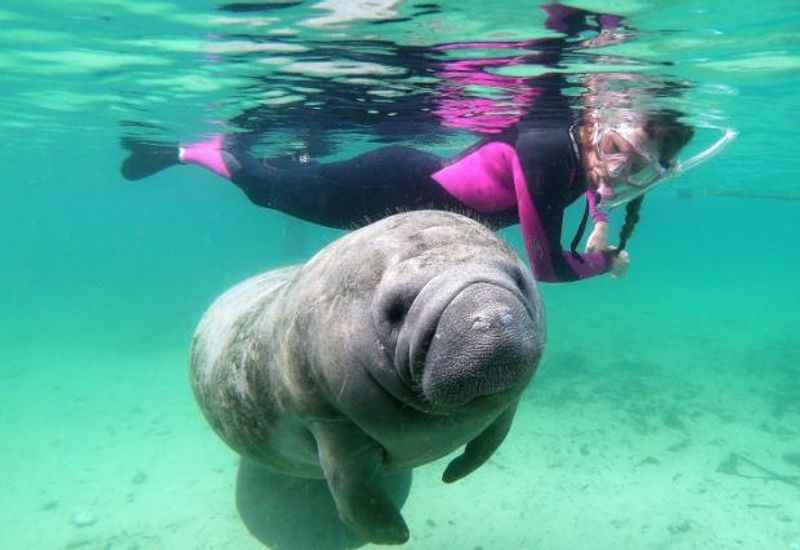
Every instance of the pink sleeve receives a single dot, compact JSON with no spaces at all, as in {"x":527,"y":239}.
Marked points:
{"x":594,"y":263}
{"x":532,"y":232}
{"x":536,"y":241}
{"x":597,"y":214}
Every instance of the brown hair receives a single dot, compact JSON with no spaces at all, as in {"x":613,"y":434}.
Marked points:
{"x":671,"y":134}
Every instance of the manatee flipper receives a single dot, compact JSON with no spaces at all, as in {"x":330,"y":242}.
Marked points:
{"x":353,"y":467}
{"x":481,"y":448}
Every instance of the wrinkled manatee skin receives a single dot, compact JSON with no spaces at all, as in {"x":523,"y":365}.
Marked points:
{"x":395,"y":345}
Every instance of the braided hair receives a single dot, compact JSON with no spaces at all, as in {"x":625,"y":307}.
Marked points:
{"x":631,"y":218}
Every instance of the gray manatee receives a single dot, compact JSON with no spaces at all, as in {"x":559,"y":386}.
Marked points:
{"x":392,"y":347}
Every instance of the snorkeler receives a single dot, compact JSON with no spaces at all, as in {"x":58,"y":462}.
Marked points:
{"x":528,"y":173}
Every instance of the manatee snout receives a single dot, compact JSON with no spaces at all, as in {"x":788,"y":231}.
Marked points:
{"x":470,"y":333}
{"x":486,"y":342}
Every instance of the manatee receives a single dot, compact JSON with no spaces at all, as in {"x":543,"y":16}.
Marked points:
{"x":393,"y":346}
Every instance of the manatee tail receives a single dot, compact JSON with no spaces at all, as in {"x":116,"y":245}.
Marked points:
{"x":147,"y":158}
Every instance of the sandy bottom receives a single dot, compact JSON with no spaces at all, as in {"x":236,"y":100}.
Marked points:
{"x":691,"y":442}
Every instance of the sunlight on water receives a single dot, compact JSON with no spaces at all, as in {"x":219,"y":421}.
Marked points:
{"x":131,"y":60}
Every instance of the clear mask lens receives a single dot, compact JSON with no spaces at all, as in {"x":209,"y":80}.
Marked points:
{"x":615,"y":165}
{"x":647,"y":176}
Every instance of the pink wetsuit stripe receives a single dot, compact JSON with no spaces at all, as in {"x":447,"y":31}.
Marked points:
{"x":482,"y":179}
{"x":532,"y":232}
{"x":536,"y":242}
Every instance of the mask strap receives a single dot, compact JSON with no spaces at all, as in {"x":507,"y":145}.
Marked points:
{"x":579,"y":233}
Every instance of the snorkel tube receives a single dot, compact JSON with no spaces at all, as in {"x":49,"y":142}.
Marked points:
{"x":678,"y":168}
{"x":728,"y":135}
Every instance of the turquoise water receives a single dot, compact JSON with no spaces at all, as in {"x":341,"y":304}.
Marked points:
{"x":666,"y":413}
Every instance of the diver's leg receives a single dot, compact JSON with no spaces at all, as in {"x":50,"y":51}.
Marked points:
{"x":345,"y":194}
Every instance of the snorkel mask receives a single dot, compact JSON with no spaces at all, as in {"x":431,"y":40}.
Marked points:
{"x":630,"y":179}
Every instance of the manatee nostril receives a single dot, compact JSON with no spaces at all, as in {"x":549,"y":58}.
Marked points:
{"x":523,"y":281}
{"x":396,"y":312}
{"x":395,"y":305}
{"x":518,"y":277}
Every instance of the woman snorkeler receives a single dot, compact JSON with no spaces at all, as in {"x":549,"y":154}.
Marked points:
{"x":528,"y":173}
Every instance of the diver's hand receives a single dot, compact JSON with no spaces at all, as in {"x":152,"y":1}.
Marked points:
{"x":598,"y":240}
{"x":619,"y":262}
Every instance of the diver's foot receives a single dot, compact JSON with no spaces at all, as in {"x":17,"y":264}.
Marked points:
{"x":209,"y":153}
{"x":147,"y":158}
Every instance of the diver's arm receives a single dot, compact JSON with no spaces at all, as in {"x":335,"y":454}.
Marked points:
{"x":541,"y":216}
{"x":566,"y":265}
{"x":598,"y":238}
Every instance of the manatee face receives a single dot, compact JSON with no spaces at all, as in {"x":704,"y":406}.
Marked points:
{"x":456,"y":322}
{"x":456,"y":335}
{"x":433,"y":305}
